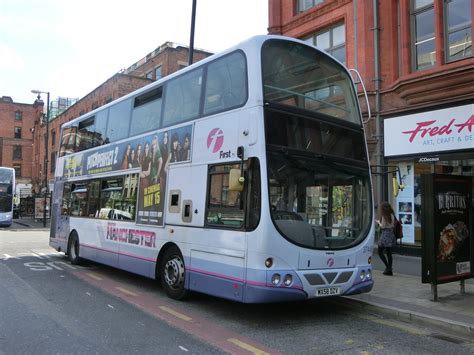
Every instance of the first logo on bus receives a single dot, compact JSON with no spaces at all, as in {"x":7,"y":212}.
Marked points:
{"x":215,"y":139}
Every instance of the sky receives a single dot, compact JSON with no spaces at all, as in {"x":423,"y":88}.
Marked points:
{"x":70,"y":47}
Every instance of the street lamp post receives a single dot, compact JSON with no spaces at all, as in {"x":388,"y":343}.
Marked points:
{"x":191,"y":39}
{"x":46,"y":189}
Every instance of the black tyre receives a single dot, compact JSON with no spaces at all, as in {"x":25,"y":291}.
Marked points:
{"x":172,"y":274}
{"x":73,"y":249}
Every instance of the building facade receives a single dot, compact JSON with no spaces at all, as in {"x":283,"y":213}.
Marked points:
{"x":16,"y":138}
{"x":415,"y":58}
{"x":164,"y":60}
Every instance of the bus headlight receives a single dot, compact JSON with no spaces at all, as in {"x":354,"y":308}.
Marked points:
{"x":362,"y":275}
{"x":276,"y":279}
{"x":369,"y":275}
{"x":288,"y":280}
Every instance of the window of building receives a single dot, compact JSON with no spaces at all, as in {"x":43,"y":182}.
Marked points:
{"x":158,"y":74}
{"x":149,"y":75}
{"x":18,"y":116}
{"x":423,"y":23}
{"x":458,"y":29}
{"x":304,"y":5}
{"x":17,"y":168}
{"x":332,"y":40}
{"x":53,"y":162}
{"x":53,"y":137}
{"x":17,"y":132}
{"x":224,"y":207}
{"x":182,"y":98}
{"x":17,"y":152}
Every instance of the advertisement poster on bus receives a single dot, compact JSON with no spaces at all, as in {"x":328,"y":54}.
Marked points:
{"x":152,"y":154}
{"x":451,"y":241}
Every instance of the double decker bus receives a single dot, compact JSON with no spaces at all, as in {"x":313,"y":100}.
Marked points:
{"x":7,"y":187}
{"x":243,"y":176}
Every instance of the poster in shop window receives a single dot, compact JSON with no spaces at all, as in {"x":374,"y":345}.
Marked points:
{"x":446,"y":228}
{"x":405,"y":203}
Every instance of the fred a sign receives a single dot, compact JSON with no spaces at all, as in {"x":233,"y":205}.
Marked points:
{"x":429,"y":132}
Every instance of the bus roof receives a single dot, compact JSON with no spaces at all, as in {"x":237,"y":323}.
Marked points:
{"x":250,"y":44}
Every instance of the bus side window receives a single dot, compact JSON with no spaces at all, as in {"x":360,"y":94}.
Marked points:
{"x":226,"y":84}
{"x":223,"y":206}
{"x":66,"y":204}
{"x":182,"y":98}
{"x":119,"y":120}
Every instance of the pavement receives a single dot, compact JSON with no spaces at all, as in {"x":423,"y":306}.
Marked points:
{"x":28,"y":223}
{"x":404,"y":297}
{"x":401,"y":296}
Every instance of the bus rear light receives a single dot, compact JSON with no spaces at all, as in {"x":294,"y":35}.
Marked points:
{"x":269,"y":262}
{"x":288,"y":280}
{"x":276,"y":278}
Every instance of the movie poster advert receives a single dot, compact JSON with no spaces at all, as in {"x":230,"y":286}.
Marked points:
{"x":452,"y":231}
{"x":151,"y":154}
{"x":405,"y":202}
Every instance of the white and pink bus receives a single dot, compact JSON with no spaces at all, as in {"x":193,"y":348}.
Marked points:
{"x":244,"y":176}
{"x":7,"y":188}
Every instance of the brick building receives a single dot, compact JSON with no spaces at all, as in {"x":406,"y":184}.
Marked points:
{"x":164,"y":60}
{"x":416,"y":60}
{"x":16,"y":137}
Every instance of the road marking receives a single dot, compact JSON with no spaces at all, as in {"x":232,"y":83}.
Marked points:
{"x":176,"y":314}
{"x":247,"y":347}
{"x":127,"y":292}
{"x":88,"y":294}
{"x":394,"y":324}
{"x":349,"y":342}
{"x":469,"y":346}
{"x":110,"y":306}
{"x":183,"y":348}
{"x":8,"y":256}
{"x":94,"y":276}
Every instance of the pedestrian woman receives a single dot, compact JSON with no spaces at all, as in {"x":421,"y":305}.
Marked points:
{"x":387,"y":240}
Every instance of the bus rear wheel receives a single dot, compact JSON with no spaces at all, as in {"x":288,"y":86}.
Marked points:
{"x":73,"y":249}
{"x":172,"y":274}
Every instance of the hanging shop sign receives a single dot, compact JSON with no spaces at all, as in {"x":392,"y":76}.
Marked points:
{"x":429,"y":132}
{"x":448,"y":253}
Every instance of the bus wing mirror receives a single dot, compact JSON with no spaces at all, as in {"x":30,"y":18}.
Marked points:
{"x":236,"y":181}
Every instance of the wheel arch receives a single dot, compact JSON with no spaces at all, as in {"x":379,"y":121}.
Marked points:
{"x":162,"y":252}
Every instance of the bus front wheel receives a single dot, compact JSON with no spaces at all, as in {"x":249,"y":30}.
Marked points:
{"x":172,"y":274}
{"x":73,"y":249}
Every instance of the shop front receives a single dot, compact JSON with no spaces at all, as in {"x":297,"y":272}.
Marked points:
{"x":431,"y":142}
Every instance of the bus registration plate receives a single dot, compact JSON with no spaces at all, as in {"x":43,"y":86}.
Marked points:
{"x":328,"y":291}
